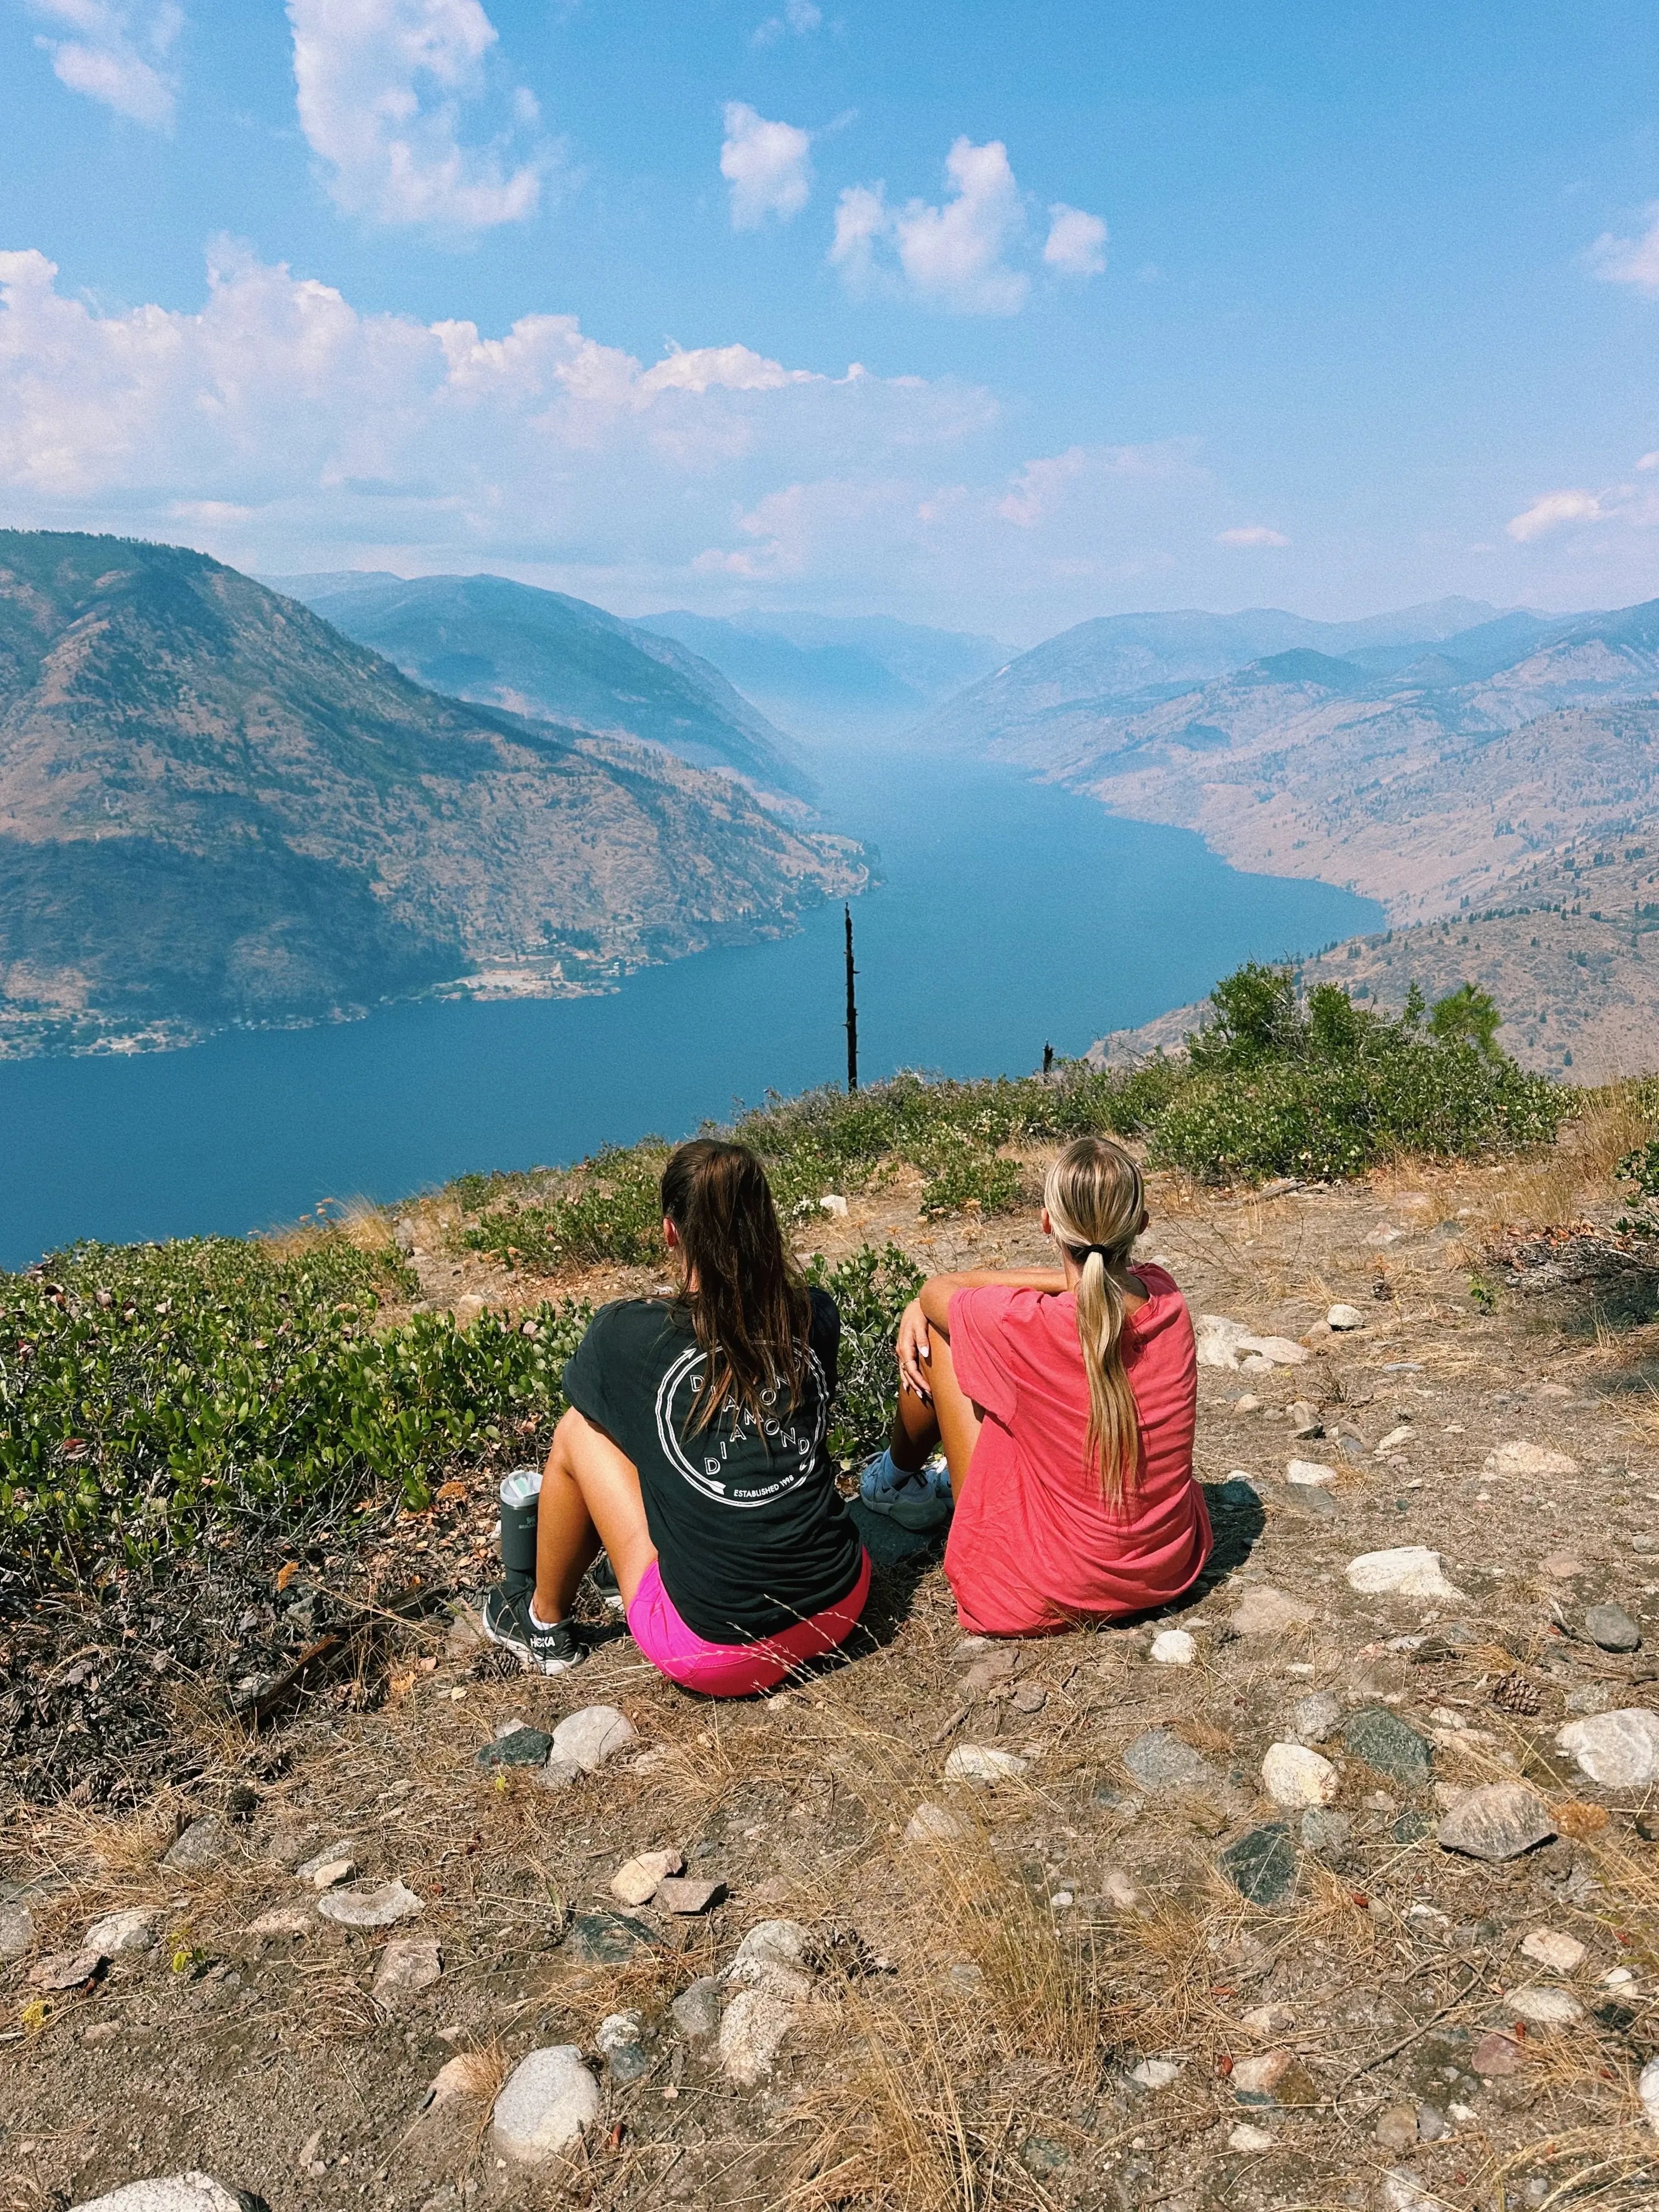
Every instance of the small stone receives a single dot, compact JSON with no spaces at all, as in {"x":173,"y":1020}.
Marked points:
{"x":64,"y":1970}
{"x":1262,"y":1864}
{"x":1403,"y":2193}
{"x":327,"y":1864}
{"x":1043,"y":2155}
{"x":696,"y":2010}
{"x":1395,"y":1439}
{"x":833,"y":1202}
{"x":467,"y":2075}
{"x":1245,"y":2138}
{"x":369,"y":1903}
{"x":558,"y":1773}
{"x":1173,"y":1647}
{"x":1029,"y":1698}
{"x":1495,"y":2057}
{"x":983,"y":1764}
{"x":1430,"y":2123}
{"x":1119,"y":1892}
{"x":408,"y":1966}
{"x":688,"y":1897}
{"x":549,"y":2098}
{"x":1544,"y":2007}
{"x":202,"y":1846}
{"x":193,"y":2191}
{"x":1647,"y":2088}
{"x":1268,"y":2021}
{"x":607,"y":1939}
{"x":1269,"y":1613}
{"x":1561,"y":1567}
{"x":1516,"y":1458}
{"x":133,"y":1930}
{"x":1408,"y":1571}
{"x":1562,"y":1954}
{"x":1327,"y":1833}
{"x":1158,"y":1760}
{"x":592,"y":1736}
{"x":1396,"y":2128}
{"x":618,"y":2031}
{"x":1384,"y":1742}
{"x":1611,"y":1627}
{"x":1497,"y":1822}
{"x":1309,"y":1474}
{"x":1345,"y":1317}
{"x":756,"y":2021}
{"x":997,"y":1666}
{"x":933,"y":1824}
{"x":1278,"y":1351}
{"x":1619,"y":1750}
{"x":1155,"y":2073}
{"x":1258,"y":2078}
{"x":520,"y":1747}
{"x":16,"y":1928}
{"x":1294,"y":1776}
{"x":1316,"y":1717}
{"x":282,"y":1920}
{"x":774,"y":1954}
{"x":636,"y":1879}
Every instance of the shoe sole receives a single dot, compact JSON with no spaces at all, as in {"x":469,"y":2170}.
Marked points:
{"x":522,"y":1652}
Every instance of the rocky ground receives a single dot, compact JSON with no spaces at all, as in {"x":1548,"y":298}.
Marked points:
{"x":1336,"y":1886}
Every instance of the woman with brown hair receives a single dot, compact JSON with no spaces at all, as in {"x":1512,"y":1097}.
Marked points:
{"x":694,"y":1451}
{"x":1065,"y":1399}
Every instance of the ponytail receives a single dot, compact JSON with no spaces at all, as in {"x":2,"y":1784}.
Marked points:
{"x":1097,"y":1205}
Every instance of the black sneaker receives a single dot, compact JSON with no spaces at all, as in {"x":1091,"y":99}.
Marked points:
{"x":508,"y":1621}
{"x":603,"y":1575}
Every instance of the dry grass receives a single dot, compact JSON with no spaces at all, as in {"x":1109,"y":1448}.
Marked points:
{"x":1575,"y":1173}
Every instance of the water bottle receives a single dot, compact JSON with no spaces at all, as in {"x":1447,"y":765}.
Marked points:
{"x":521,"y":1492}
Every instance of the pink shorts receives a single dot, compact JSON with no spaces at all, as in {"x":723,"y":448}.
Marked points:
{"x":735,"y":1670}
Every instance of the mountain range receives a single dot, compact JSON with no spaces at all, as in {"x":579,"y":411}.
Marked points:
{"x":215,"y":808}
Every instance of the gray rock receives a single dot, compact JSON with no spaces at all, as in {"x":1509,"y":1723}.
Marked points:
{"x":282,"y":1920}
{"x":64,"y":1970}
{"x":696,"y":2010}
{"x":369,"y":1903}
{"x":607,"y":1939}
{"x":133,"y":1930}
{"x":175,"y":2193}
{"x":520,"y":1747}
{"x":1326,"y":1833}
{"x":408,"y":1965}
{"x":559,"y":1773}
{"x":1611,"y":1627}
{"x":1497,"y":1822}
{"x":756,"y":2021}
{"x":1270,"y":1613}
{"x":1160,"y":1760}
{"x":590,"y":1736}
{"x":318,"y":1870}
{"x":685,"y":1894}
{"x":549,"y":2098}
{"x":202,"y":1846}
{"x":1262,"y":1865}
{"x":1619,"y":1750}
{"x":1315,"y":1716}
{"x":16,"y":1930}
{"x":1384,"y":1741}
{"x":775,"y":1955}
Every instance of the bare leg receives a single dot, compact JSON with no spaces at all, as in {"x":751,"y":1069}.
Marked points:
{"x":590,"y":1496}
{"x":952,"y":1420}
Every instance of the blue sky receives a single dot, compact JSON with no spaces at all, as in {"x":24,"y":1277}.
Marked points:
{"x":997,"y":315}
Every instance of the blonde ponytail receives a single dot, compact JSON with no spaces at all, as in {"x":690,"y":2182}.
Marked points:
{"x":1097,"y":1206}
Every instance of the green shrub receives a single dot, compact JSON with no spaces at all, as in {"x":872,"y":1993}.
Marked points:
{"x":150,"y":1392}
{"x":609,"y":1208}
{"x":957,"y":1177}
{"x":871,"y":1289}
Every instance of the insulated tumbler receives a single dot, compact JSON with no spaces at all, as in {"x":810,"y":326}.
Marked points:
{"x":521,"y":1496}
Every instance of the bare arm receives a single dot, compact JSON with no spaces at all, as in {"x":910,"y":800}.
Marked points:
{"x":930,"y":1309}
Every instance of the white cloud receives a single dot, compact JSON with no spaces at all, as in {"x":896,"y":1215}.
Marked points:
{"x":769,"y":167}
{"x":1649,"y":461}
{"x":381,"y":85}
{"x":116,"y":53}
{"x":282,"y":428}
{"x":1076,"y":241}
{"x":1251,"y":534}
{"x":1633,"y":261}
{"x":800,"y":16}
{"x":951,"y":256}
{"x":1553,"y":512}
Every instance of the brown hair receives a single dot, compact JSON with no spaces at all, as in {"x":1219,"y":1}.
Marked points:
{"x":745,"y":1294}
{"x":1097,"y":1205}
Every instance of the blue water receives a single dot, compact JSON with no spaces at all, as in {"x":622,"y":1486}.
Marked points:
{"x":1013,"y":915}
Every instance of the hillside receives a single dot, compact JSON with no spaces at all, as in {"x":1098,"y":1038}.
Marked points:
{"x":833,"y":677}
{"x":213,"y":808}
{"x":540,"y":653}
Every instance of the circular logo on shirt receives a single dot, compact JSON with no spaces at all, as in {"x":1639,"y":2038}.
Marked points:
{"x":736,"y":1460}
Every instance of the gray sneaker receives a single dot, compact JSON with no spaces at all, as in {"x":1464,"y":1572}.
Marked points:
{"x":508,"y":1621}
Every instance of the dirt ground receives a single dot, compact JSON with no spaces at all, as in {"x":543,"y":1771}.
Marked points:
{"x":980,"y":2005}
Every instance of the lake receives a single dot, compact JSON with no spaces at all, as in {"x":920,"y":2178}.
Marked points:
{"x":1012,"y":915}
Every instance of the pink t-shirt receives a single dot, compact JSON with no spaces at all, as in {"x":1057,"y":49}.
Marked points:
{"x":1033,"y":1545}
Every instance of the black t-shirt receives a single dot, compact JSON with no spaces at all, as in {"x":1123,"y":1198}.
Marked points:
{"x":751,"y":1534}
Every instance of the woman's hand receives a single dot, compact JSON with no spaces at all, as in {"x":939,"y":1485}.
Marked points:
{"x":914,"y":1353}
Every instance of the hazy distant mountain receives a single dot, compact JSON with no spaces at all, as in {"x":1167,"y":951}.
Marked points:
{"x":215,"y":808}
{"x":829,"y":677}
{"x":539,"y":652}
{"x":1117,"y":661}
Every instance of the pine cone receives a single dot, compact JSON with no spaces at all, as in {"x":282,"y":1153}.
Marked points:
{"x":1515,"y":1694}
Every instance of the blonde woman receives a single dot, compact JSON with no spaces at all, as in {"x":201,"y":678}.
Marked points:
{"x":1066,"y":1401}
